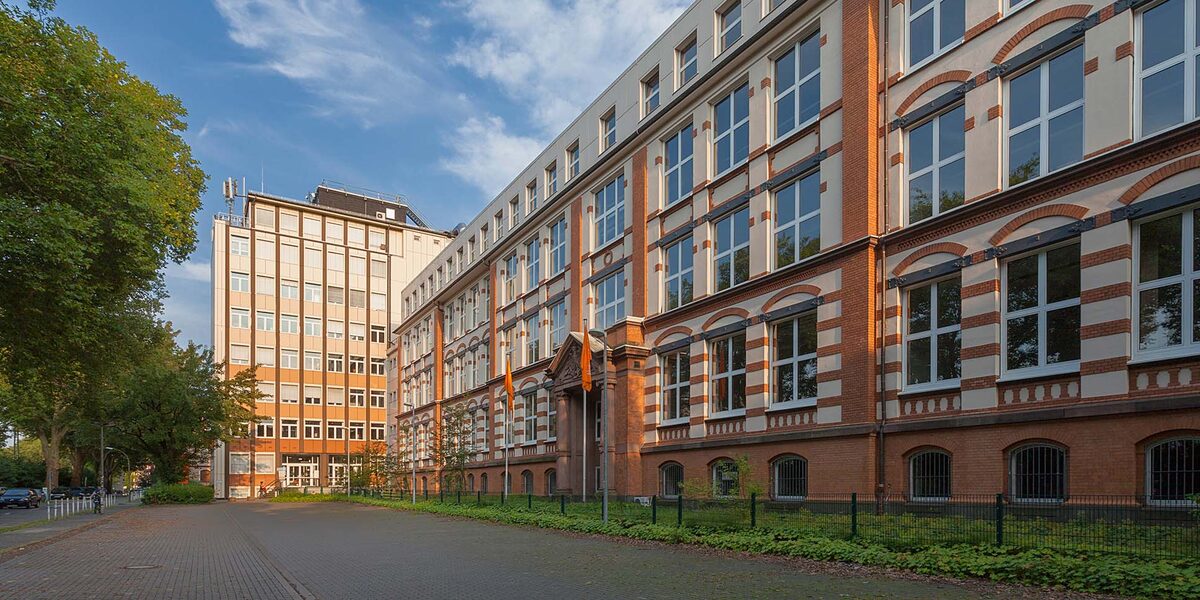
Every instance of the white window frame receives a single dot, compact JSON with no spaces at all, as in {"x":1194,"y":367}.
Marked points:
{"x":529,"y":414}
{"x":727,"y":23}
{"x":557,"y":314}
{"x":312,"y":292}
{"x":682,"y":77}
{"x":731,"y":252}
{"x":936,"y":164}
{"x":531,"y":197}
{"x":289,"y":359}
{"x":239,"y":318}
{"x":287,"y":426}
{"x":725,"y":378}
{"x":264,"y":320}
{"x":558,"y":246}
{"x":551,"y":189}
{"x":573,"y":161}
{"x":609,"y":212}
{"x":677,"y":251}
{"x":239,"y":246}
{"x":533,"y":263}
{"x":289,"y":290}
{"x":939,"y":47}
{"x":672,"y":393}
{"x":335,"y":430}
{"x":1045,"y":116}
{"x":932,"y":334}
{"x":312,"y":326}
{"x":1189,"y":273}
{"x":796,"y":361}
{"x":312,"y":360}
{"x":239,"y":282}
{"x":1041,"y":310}
{"x":241,"y":356}
{"x":289,"y":324}
{"x":793,"y":226}
{"x":264,"y":428}
{"x":236,"y":459}
{"x":511,"y":272}
{"x":679,"y":170}
{"x":730,"y":133}
{"x":610,"y":298}
{"x":1189,"y":58}
{"x":608,"y":130}
{"x":650,"y":93}
{"x":533,"y":340}
{"x":311,"y":425}
{"x":798,"y":81}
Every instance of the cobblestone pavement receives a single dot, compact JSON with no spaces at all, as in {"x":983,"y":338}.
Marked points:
{"x":333,"y":550}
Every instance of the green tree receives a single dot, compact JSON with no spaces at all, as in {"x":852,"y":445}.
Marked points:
{"x":97,"y":193}
{"x":455,"y":446}
{"x":175,"y":407}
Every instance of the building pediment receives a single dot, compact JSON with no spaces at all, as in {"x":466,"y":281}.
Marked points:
{"x":565,"y":369}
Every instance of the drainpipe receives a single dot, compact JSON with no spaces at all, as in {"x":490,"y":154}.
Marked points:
{"x":880,"y":454}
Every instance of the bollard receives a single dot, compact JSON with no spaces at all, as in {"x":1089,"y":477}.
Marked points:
{"x":679,"y":510}
{"x":654,"y":509}
{"x":854,"y":514}
{"x":562,"y":504}
{"x":999,"y":519}
{"x":753,"y":510}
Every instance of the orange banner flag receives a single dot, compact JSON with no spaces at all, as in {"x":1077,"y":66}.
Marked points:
{"x":508,"y":385}
{"x":585,"y":362}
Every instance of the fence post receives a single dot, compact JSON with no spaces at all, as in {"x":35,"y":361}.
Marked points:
{"x":679,"y":511}
{"x":854,"y":514}
{"x":999,"y":519}
{"x":562,"y":504}
{"x":441,"y":495}
{"x":479,"y":498}
{"x":529,"y":500}
{"x":753,"y":510}
{"x":458,"y":497}
{"x":502,"y":495}
{"x":654,"y":509}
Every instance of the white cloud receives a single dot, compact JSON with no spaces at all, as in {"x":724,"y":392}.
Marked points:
{"x":352,"y":64}
{"x":191,"y":270}
{"x":556,"y":57}
{"x":485,"y":155}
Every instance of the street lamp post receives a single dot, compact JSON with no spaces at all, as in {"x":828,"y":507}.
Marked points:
{"x":128,"y":463}
{"x":603,"y":424}
{"x":412,"y":448}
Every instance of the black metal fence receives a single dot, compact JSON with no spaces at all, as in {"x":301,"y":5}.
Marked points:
{"x":1119,"y":525}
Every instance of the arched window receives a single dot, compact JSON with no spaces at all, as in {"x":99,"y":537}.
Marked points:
{"x":790,"y":478}
{"x":551,"y":482}
{"x":527,"y":482}
{"x":929,"y":475}
{"x":483,"y":483}
{"x":725,"y":478}
{"x":670,"y":479}
{"x":471,"y":482}
{"x":1173,"y":471}
{"x":1038,"y":472}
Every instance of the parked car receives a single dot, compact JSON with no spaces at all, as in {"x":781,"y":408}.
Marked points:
{"x":75,"y":492}
{"x":59,"y":493}
{"x":23,"y":497}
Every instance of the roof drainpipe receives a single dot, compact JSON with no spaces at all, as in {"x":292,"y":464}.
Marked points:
{"x":880,"y":455}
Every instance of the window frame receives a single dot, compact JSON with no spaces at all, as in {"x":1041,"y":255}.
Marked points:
{"x":679,"y":275}
{"x":1042,"y":121}
{"x":1187,"y":280}
{"x":718,"y":135}
{"x":609,"y":211}
{"x":558,"y":326}
{"x":935,"y":167}
{"x":776,"y":478}
{"x":663,"y":471}
{"x":720,"y":467}
{"x":603,"y":303}
{"x":1186,"y":501}
{"x":1042,"y":309}
{"x":680,"y":170}
{"x":673,"y":393}
{"x":796,"y":361}
{"x":1189,"y":58}
{"x":1012,"y":458}
{"x":727,"y":25}
{"x":935,"y":331}
{"x":939,"y":48}
{"x":608,"y":130}
{"x":731,"y":253}
{"x":533,"y":263}
{"x":913,"y":476}
{"x":683,"y":64}
{"x":727,"y":377}
{"x":651,"y":97}
{"x":558,"y":246}
{"x":793,"y":226}
{"x":798,"y":82}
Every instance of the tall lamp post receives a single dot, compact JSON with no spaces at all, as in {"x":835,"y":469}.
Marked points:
{"x":128,"y":463}
{"x":412,"y":448}
{"x":600,"y":335}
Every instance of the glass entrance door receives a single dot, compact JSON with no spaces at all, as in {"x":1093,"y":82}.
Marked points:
{"x":301,"y":471}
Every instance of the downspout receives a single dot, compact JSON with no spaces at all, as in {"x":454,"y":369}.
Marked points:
{"x":880,"y":454}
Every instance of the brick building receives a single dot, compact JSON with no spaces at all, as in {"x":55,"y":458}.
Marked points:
{"x":308,"y":291}
{"x":917,"y":247}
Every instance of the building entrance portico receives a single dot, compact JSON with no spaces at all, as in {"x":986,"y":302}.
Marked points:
{"x":578,"y":464}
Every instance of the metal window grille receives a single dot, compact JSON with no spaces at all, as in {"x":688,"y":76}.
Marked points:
{"x":1174,"y":470}
{"x":791,"y":478}
{"x":672,"y":477}
{"x":1039,"y":472}
{"x":930,"y":472}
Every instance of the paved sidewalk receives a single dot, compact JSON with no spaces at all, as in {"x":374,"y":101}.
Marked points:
{"x":335,"y":550}
{"x":43,"y":529}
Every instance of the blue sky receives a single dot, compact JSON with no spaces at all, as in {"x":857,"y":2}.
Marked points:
{"x":441,"y":101}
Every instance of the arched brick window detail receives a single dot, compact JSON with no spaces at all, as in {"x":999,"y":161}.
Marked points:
{"x":929,"y":474}
{"x":789,"y":477}
{"x":670,"y":480}
{"x":1173,"y":470}
{"x":1037,"y":472}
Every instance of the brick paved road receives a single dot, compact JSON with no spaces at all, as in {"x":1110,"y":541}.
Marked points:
{"x":258,"y":550}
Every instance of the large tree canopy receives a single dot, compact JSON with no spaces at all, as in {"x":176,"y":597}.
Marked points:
{"x":97,"y":193}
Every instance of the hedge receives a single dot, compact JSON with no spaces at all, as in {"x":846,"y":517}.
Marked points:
{"x":178,"y":493}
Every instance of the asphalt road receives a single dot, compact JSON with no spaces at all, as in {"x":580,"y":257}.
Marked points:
{"x":333,"y":550}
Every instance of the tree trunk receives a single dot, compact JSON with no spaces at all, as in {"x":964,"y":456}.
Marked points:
{"x":77,"y":460}
{"x":50,"y":456}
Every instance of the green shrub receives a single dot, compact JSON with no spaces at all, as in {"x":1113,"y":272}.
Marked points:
{"x":301,"y":497}
{"x":178,"y":493}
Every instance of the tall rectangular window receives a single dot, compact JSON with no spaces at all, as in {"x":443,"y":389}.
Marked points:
{"x":677,"y":386}
{"x":1168,"y":65}
{"x":933,"y":26}
{"x":533,"y":340}
{"x":558,"y":246}
{"x":678,"y":165}
{"x":558,"y":324}
{"x":1041,"y":310}
{"x":610,"y":211}
{"x":1167,"y":276}
{"x":533,"y":263}
{"x":531,"y":197}
{"x":1045,"y":117}
{"x":795,"y":362}
{"x":610,"y":300}
{"x":650,"y":93}
{"x":932,"y":337}
{"x":798,"y":86}
{"x":732,"y":143}
{"x":798,"y":220}
{"x":728,"y":366}
{"x":608,"y":130}
{"x":679,"y":274}
{"x":239,"y":282}
{"x":530,"y":402}
{"x":685,"y":57}
{"x":731,"y":259}
{"x":551,"y":182}
{"x":510,"y":278}
{"x":573,"y":161}
{"x":935,"y":156}
{"x":731,"y":25}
